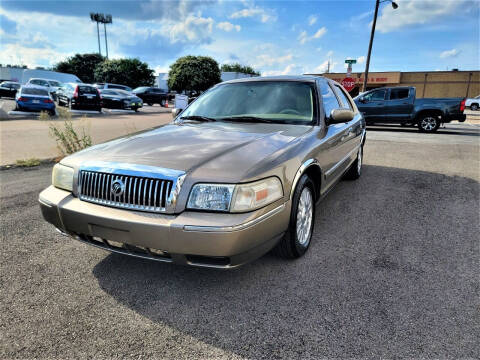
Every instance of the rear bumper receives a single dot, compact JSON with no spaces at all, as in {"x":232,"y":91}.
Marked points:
{"x":35,"y":107}
{"x":191,"y":238}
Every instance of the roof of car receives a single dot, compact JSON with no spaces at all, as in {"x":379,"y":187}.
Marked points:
{"x":307,"y":78}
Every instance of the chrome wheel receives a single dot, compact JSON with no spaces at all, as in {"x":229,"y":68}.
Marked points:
{"x":428,"y":123}
{"x":359,"y":160}
{"x":304,"y":217}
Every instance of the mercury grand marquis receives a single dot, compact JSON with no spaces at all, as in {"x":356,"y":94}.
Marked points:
{"x":234,"y":175}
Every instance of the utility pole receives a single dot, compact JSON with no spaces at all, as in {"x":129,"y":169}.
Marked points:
{"x":372,"y":34}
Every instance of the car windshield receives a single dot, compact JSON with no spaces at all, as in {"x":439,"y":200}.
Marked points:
{"x":273,"y":101}
{"x":34,"y":91}
{"x":54,"y":83}
{"x":140,"y":89}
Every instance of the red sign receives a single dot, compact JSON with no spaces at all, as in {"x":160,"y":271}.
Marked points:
{"x":348,"y":83}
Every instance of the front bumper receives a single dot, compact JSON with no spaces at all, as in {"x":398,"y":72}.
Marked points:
{"x":188,"y":238}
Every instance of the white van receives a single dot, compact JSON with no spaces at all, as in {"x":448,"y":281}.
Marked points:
{"x":50,"y":75}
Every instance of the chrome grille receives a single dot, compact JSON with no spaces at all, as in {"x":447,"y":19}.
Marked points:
{"x":140,"y":193}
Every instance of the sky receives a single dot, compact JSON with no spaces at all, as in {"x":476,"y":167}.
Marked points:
{"x":274,"y":37}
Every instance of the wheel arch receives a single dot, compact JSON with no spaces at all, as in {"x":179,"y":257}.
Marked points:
{"x":312,"y":168}
{"x":433,"y":112}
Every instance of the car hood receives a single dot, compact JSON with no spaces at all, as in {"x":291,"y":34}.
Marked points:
{"x":223,"y":150}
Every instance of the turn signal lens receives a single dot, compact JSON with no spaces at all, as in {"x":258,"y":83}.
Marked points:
{"x":257,"y":194}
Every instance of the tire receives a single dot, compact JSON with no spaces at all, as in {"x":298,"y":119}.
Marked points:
{"x":297,"y":239}
{"x":428,"y":123}
{"x":135,"y":109}
{"x":474,"y":107}
{"x":355,"y":170}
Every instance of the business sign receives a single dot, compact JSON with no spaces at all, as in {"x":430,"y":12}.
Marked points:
{"x":348,"y":83}
{"x":380,"y":78}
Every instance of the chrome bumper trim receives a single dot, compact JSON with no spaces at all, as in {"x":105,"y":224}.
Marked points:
{"x":239,"y":227}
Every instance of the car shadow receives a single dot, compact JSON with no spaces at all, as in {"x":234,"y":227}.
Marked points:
{"x":448,"y":130}
{"x":387,"y":261}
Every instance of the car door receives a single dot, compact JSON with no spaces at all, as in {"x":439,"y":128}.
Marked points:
{"x":372,"y":105}
{"x":334,"y":150}
{"x":399,"y":104}
{"x":107,"y":98}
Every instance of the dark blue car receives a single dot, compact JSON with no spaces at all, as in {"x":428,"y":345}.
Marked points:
{"x":34,"y":99}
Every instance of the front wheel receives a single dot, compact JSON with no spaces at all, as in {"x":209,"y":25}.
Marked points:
{"x":297,"y":239}
{"x":429,"y":123}
{"x":474,"y":107}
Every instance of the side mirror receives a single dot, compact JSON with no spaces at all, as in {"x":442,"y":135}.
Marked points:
{"x":362,"y":100}
{"x":175,"y":112}
{"x":339,"y":116}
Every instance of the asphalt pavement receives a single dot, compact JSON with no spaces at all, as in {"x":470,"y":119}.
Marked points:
{"x":392,"y":272}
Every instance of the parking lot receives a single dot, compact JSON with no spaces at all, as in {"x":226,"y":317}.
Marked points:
{"x":392,"y":272}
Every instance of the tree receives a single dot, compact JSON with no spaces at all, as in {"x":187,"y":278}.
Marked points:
{"x":245,"y":69}
{"x":193,"y":73}
{"x":81,"y":65}
{"x":130,"y":72}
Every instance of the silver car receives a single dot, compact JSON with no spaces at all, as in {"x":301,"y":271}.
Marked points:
{"x":236,"y":174}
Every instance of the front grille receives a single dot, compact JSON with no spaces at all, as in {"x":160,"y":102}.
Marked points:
{"x":139,"y":193}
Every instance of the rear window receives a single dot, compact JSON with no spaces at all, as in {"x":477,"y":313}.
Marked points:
{"x":396,"y":94}
{"x":34,"y":91}
{"x":54,"y":83}
{"x":140,"y":89}
{"x":82,"y":89}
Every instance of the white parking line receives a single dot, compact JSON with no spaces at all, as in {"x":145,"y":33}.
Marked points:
{"x":120,"y":110}
{"x":85,"y":112}
{"x":13,"y":112}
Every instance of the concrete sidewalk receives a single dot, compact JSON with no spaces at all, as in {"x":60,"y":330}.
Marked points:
{"x":24,"y":139}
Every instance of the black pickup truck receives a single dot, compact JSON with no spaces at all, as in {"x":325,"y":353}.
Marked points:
{"x":398,"y":105}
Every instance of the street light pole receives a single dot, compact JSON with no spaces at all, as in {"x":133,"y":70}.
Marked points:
{"x":98,"y":34}
{"x":106,"y":45}
{"x":372,"y":34}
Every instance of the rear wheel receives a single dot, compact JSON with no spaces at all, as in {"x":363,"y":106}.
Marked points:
{"x":302,"y":217}
{"x":428,"y":123}
{"x":356,"y":168}
{"x":474,"y":107}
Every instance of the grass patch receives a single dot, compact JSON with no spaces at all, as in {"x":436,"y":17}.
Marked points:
{"x":28,"y":162}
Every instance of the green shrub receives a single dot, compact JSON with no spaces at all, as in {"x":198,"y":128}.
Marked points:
{"x":67,"y":138}
{"x":28,"y":162}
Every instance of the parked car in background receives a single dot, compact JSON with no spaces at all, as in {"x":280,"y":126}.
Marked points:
{"x":50,"y":85}
{"x":151,"y":95}
{"x":47,"y":74}
{"x":236,"y":174}
{"x":9,"y":89}
{"x":120,"y":99}
{"x":32,"y":98}
{"x":473,"y":104}
{"x":102,"y":86}
{"x":398,"y":105}
{"x":79,"y":96}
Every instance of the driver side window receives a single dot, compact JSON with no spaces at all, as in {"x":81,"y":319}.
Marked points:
{"x":330,"y":101}
{"x":375,"y":95}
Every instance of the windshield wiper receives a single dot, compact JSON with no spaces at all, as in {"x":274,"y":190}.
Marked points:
{"x":252,"y":119}
{"x":197,"y":118}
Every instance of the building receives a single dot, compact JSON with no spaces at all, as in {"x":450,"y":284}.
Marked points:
{"x":434,"y":84}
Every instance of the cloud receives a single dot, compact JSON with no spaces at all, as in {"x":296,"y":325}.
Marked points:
{"x":291,"y":69}
{"x":312,"y":19}
{"x":304,"y":38}
{"x":268,"y":60}
{"x":193,"y":30}
{"x":449,"y":53}
{"x":7,"y":25}
{"x":32,"y":57}
{"x":323,"y":67}
{"x":412,"y":12}
{"x":361,"y":60}
{"x":227,"y":26}
{"x":329,"y":54}
{"x":254,"y":12}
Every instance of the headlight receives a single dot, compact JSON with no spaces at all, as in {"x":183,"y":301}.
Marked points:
{"x":235,"y":198}
{"x":62,"y":177}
